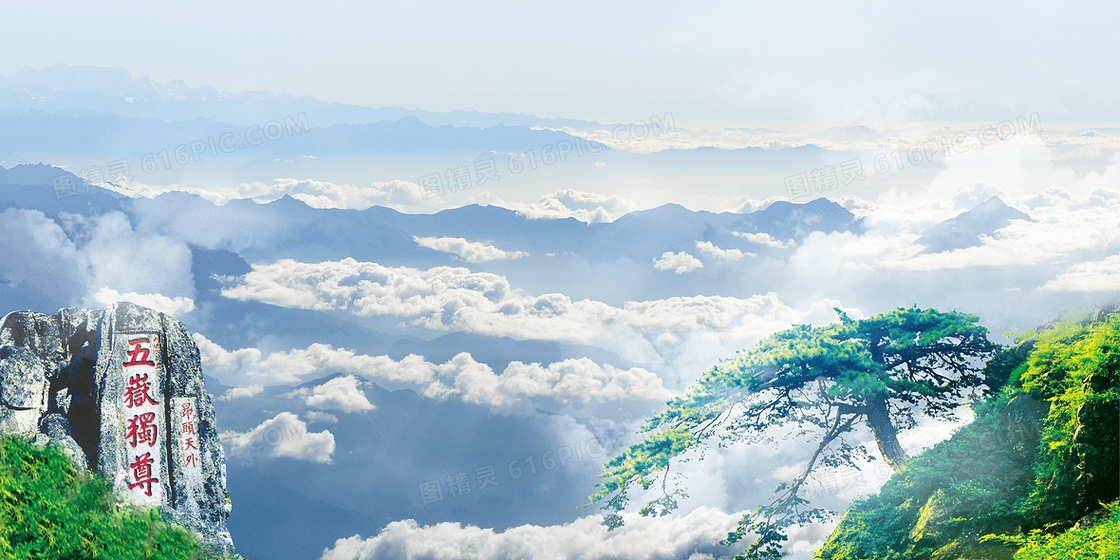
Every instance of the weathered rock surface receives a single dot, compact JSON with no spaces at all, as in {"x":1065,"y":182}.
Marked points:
{"x":23,"y":390}
{"x":121,"y":392}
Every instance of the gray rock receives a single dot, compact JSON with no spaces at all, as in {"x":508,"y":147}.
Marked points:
{"x":23,"y":379}
{"x":62,"y":399}
{"x":57,"y":429}
{"x":38,"y":333}
{"x":23,"y":390}
{"x":121,"y":392}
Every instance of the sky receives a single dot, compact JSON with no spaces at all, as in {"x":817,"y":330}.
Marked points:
{"x":732,"y":63}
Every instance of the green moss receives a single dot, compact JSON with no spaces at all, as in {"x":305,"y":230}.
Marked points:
{"x":1097,"y":541}
{"x":50,"y":511}
{"x":1075,"y":367}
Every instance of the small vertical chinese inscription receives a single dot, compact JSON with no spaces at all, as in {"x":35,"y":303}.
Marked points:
{"x":185,"y":414}
{"x":142,"y":416}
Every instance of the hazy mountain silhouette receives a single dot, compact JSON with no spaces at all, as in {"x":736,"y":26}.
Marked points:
{"x":94,"y":89}
{"x":965,"y":229}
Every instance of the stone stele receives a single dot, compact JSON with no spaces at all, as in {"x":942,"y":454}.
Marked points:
{"x":120,"y":391}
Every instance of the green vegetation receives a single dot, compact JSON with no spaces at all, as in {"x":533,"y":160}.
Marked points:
{"x":50,"y":511}
{"x":1042,"y":453}
{"x":820,"y":382}
{"x":1100,"y":541}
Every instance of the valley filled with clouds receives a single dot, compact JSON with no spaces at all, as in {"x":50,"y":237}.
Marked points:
{"x":425,"y":331}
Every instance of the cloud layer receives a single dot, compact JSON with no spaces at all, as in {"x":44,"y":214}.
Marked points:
{"x":566,"y":382}
{"x":584,"y":206}
{"x":172,"y":306}
{"x":453,"y":298}
{"x":94,"y":261}
{"x":684,"y":537}
{"x":470,"y":251}
{"x":403,"y":196}
{"x":1099,"y":276}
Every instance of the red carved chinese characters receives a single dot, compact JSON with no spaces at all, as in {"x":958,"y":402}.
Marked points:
{"x":142,"y":473}
{"x":188,"y":433}
{"x":138,"y":355}
{"x":137,"y":392}
{"x":142,"y":416}
{"x":142,"y":428}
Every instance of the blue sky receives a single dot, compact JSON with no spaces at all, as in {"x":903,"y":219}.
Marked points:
{"x":725,"y":62}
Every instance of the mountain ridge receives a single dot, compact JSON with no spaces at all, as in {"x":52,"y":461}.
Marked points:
{"x":114,"y":90}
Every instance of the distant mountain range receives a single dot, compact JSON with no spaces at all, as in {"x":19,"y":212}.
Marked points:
{"x":84,"y":118}
{"x":92,"y":89}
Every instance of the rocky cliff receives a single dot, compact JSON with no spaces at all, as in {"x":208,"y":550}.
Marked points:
{"x":120,"y":391}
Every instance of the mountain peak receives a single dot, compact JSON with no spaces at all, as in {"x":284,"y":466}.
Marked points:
{"x":964,"y":230}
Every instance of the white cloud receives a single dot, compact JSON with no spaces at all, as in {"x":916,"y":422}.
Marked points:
{"x":1017,"y":166}
{"x":320,"y":417}
{"x":581,"y":380}
{"x":91,"y":261}
{"x":583,"y":206}
{"x":1055,"y":234}
{"x":1068,"y":224}
{"x":683,"y":537}
{"x":679,"y":263}
{"x":213,"y":355}
{"x":131,"y":261}
{"x":569,"y":381}
{"x":403,"y":196}
{"x":35,"y":250}
{"x":284,"y":435}
{"x":470,"y":251}
{"x":455,"y":298}
{"x":749,"y":205}
{"x":235,"y":393}
{"x":296,"y":364}
{"x":866,"y":140}
{"x":340,"y":393}
{"x":171,"y":306}
{"x":1099,"y":276}
{"x":710,"y":249}
{"x":765,"y":239}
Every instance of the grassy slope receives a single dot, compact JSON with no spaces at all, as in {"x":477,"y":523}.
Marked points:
{"x":50,"y":511}
{"x":1041,"y":453}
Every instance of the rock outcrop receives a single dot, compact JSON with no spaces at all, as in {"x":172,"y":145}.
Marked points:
{"x":121,"y":392}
